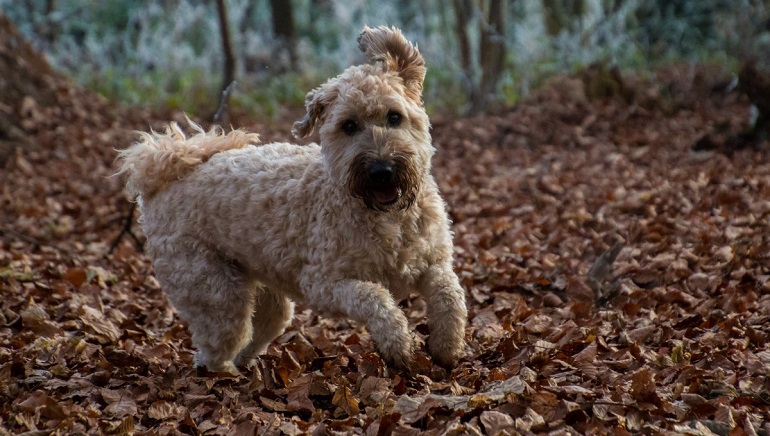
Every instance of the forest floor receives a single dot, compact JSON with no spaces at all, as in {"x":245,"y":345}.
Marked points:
{"x":618,"y":281}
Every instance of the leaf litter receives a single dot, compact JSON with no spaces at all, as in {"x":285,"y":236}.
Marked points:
{"x":617,"y":282}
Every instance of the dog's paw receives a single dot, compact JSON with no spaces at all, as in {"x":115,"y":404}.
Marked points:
{"x":200,"y":361}
{"x":399,"y":354}
{"x":248,"y":362}
{"x":445,"y":353}
{"x":402,"y":362}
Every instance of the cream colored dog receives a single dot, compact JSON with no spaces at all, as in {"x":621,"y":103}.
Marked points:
{"x":236,"y":231}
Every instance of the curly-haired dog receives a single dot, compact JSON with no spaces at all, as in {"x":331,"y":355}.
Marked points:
{"x":236,"y":232}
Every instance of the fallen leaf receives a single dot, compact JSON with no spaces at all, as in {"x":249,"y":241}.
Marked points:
{"x":162,"y":410}
{"x":119,"y":402}
{"x":75,"y":276}
{"x":531,"y":421}
{"x":48,"y":407}
{"x":298,"y":394}
{"x":345,"y":401}
{"x":104,"y":329}
{"x":496,"y":423}
{"x":414,"y":408}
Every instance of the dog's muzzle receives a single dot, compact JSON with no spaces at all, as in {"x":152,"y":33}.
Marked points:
{"x":384,"y":184}
{"x":382,"y":181}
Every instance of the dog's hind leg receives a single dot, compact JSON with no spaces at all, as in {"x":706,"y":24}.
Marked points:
{"x":272,"y":314}
{"x":213,"y":295}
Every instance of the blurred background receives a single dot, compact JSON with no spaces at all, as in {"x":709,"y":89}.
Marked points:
{"x":481,"y":54}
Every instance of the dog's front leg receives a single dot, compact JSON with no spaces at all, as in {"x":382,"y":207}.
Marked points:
{"x":447,"y":314}
{"x":371,"y":304}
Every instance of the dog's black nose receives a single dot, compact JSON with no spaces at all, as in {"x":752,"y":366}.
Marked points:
{"x":380,"y":173}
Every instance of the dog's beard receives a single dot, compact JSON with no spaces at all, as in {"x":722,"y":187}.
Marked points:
{"x":397,"y":194}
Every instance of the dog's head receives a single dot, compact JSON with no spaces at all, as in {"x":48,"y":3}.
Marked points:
{"x":372,"y":123}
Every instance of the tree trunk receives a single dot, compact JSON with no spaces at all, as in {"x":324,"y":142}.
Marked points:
{"x":244,"y":24}
{"x":228,"y":74}
{"x":283,"y":28}
{"x":463,"y":10}
{"x":755,"y":83}
{"x":559,"y":14}
{"x":491,"y":53}
{"x":320,"y":9}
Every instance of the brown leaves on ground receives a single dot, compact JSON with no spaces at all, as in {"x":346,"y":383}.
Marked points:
{"x":617,"y":283}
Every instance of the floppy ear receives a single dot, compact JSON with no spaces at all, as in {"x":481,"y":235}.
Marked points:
{"x":386,"y":45}
{"x":317,"y":102}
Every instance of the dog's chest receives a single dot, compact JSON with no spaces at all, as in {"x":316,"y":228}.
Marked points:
{"x":398,"y":253}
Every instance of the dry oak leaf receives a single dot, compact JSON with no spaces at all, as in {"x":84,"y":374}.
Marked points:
{"x":643,"y":385}
{"x":162,"y":354}
{"x":375,"y":390}
{"x":119,"y":402}
{"x":35,"y":318}
{"x":345,"y":401}
{"x":588,"y":354}
{"x":34,"y":314}
{"x":530,"y":420}
{"x":24,"y":274}
{"x":75,"y":276}
{"x":488,"y":327}
{"x":570,"y":390}
{"x":386,"y":425}
{"x":298,"y":394}
{"x":106,"y":331}
{"x":162,"y":410}
{"x":414,"y":408}
{"x":496,"y":422}
{"x":273,"y":405}
{"x":103,"y":277}
{"x":48,"y":407}
{"x":245,"y":428}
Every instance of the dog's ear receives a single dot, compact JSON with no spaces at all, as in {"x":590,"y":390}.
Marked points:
{"x":317,"y":102}
{"x":386,"y":45}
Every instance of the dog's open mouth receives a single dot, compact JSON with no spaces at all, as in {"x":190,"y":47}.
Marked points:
{"x":386,"y":195}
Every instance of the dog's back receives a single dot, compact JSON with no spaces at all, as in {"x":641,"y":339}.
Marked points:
{"x":161,"y":158}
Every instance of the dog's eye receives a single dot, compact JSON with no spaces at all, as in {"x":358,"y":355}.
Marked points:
{"x":350,"y":127}
{"x":394,"y":119}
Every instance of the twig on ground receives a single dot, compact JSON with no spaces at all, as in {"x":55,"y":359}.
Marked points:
{"x":127,"y":223}
{"x":601,"y":269}
{"x":33,"y":240}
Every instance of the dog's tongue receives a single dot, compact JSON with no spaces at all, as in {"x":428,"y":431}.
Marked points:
{"x":386,"y":195}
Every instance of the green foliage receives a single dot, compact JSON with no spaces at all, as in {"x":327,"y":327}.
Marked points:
{"x":688,"y":26}
{"x":169,"y":53}
{"x":266,"y":98}
{"x":190,"y":89}
{"x":443,"y":92}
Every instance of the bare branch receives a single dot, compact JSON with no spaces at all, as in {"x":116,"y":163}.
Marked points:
{"x":223,"y":102}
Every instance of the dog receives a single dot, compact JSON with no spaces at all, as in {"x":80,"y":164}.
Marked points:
{"x":237,"y":231}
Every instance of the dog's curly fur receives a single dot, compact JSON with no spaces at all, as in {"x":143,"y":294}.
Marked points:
{"x":236,"y":232}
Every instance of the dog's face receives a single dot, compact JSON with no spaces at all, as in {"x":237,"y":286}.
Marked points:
{"x":372,"y":124}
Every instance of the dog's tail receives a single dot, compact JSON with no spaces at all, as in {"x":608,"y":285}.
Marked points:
{"x":158,"y":159}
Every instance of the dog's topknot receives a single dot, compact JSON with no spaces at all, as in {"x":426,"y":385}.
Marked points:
{"x":388,"y":47}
